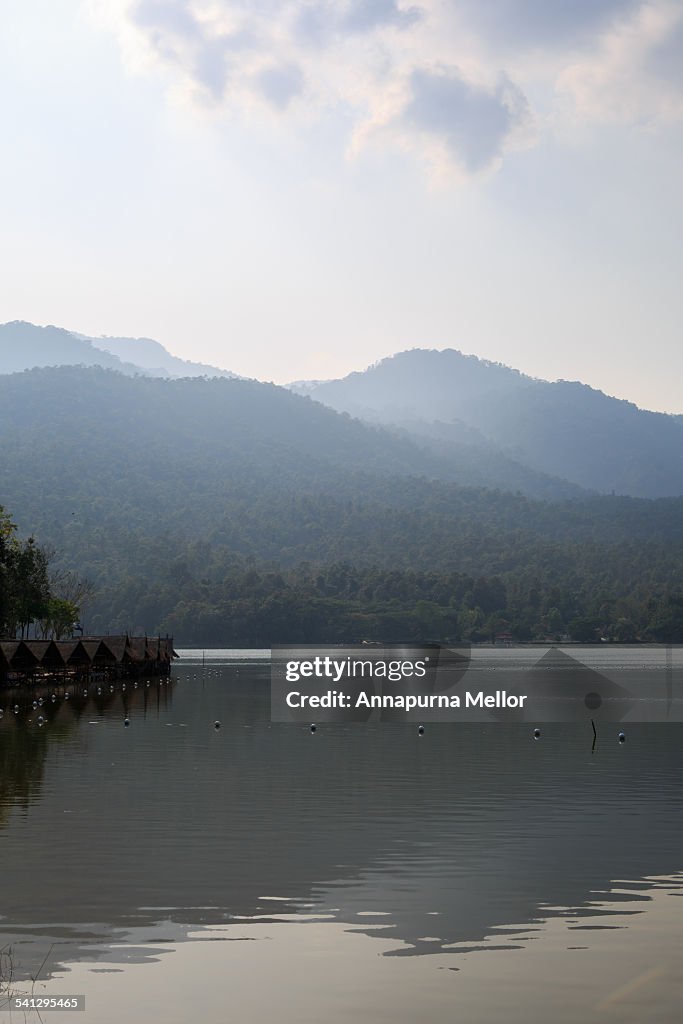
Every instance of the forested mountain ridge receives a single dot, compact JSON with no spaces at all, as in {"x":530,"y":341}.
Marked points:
{"x":152,"y":357}
{"x":496,"y":427}
{"x":232,"y":511}
{"x":213,"y":418}
{"x":564,"y":428}
{"x":24,"y":346}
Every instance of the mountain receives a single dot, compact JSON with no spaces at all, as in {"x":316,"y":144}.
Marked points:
{"x":220,"y":431}
{"x":566,"y":429}
{"x":24,"y":346}
{"x":417,"y":384}
{"x":475,"y":422}
{"x":151,"y":356}
{"x":234,"y":510}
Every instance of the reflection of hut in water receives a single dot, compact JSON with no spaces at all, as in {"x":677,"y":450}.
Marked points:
{"x":108,"y":657}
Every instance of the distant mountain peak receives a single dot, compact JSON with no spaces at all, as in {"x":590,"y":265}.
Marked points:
{"x":24,"y":346}
{"x":563,"y":428}
{"x":151,"y":355}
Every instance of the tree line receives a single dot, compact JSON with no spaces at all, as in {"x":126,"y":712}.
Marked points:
{"x":210,"y":597}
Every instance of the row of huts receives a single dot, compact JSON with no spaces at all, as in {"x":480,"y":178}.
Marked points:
{"x":106,"y":657}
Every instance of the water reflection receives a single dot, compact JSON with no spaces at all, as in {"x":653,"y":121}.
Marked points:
{"x":277,"y":970}
{"x":23,"y":749}
{"x":467,"y":838}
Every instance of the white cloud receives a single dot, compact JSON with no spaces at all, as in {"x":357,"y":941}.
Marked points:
{"x":560,"y":25}
{"x":447,"y":80}
{"x":459,"y":126}
{"x":635,"y":75}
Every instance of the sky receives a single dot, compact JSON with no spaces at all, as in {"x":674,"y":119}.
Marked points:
{"x":294,"y":189}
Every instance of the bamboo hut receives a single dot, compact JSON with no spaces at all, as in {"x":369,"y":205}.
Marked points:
{"x":110,"y":657}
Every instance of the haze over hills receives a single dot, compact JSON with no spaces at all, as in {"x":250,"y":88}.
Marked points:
{"x":24,"y":346}
{"x":226,"y":509}
{"x":484,"y":424}
{"x":151,"y":356}
{"x":221,"y":431}
{"x":566,"y":429}
{"x":230,"y":511}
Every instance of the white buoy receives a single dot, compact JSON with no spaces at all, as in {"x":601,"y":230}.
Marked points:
{"x":216,"y":724}
{"x":126,"y":722}
{"x":622,"y":737}
{"x":420,"y":730}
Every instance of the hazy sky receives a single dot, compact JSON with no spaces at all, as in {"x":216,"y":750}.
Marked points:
{"x":296,"y":188}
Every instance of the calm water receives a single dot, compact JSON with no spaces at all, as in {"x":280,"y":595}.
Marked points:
{"x":171,"y":871}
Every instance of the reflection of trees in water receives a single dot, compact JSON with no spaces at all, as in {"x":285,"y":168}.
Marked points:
{"x":23,"y":749}
{"x":26,"y":736}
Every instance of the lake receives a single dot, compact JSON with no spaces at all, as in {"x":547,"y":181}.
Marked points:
{"x":169,"y":870}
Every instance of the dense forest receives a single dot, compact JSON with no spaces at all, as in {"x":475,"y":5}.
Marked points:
{"x":232,"y":512}
{"x":207,"y":596}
